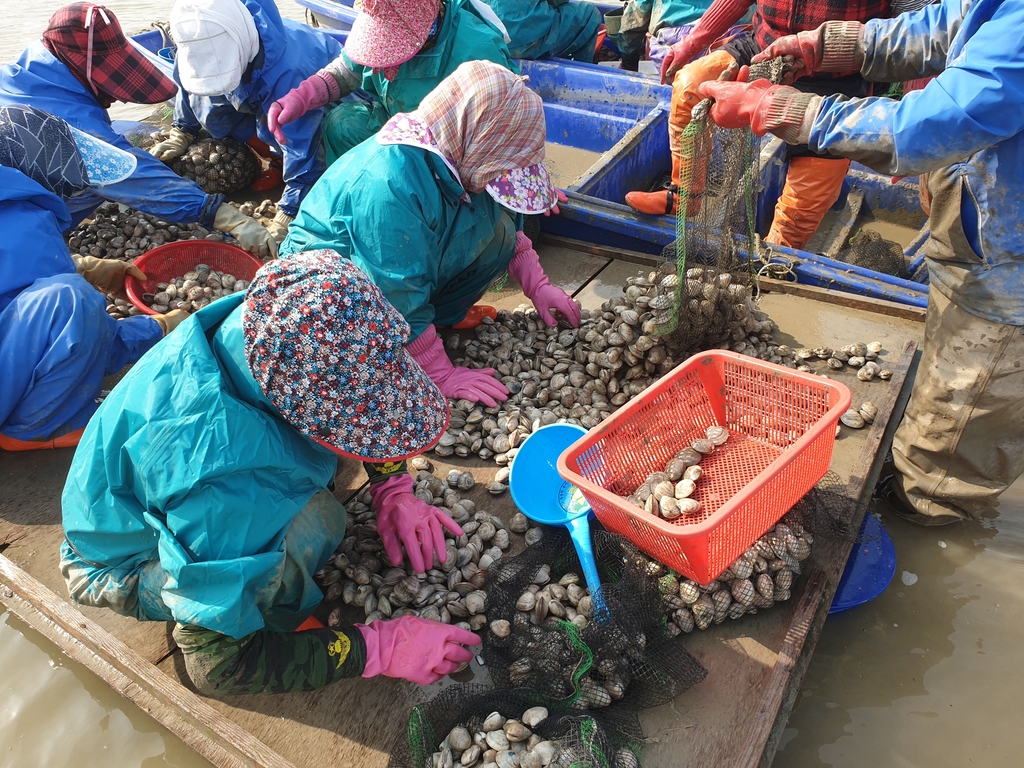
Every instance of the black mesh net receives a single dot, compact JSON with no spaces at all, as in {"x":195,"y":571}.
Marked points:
{"x":870,"y":250}
{"x":218,"y":165}
{"x":626,"y":658}
{"x":610,"y":738}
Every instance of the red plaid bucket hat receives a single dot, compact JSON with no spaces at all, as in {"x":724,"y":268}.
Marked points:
{"x":89,"y":40}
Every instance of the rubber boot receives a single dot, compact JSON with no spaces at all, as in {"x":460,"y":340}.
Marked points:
{"x":476,"y":315}
{"x":70,"y":440}
{"x":812,"y":187}
{"x":663,"y":201}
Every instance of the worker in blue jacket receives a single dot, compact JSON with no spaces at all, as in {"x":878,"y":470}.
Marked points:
{"x":961,"y":441}
{"x":233,"y":60}
{"x":539,"y":28}
{"x":57,"y":341}
{"x":81,"y":66}
{"x":200,"y":491}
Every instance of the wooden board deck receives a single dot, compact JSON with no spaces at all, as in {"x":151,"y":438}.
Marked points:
{"x":726,"y":720}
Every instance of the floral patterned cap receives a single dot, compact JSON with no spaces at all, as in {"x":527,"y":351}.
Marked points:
{"x":387,"y":33}
{"x":524,"y":190}
{"x":328,"y":351}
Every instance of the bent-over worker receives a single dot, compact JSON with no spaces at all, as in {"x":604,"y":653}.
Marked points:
{"x":429,"y":209}
{"x":397,"y":52}
{"x":961,"y":441}
{"x":199,"y":493}
{"x":57,"y":341}
{"x":234,"y":59}
{"x":539,"y":28}
{"x":82,"y":65}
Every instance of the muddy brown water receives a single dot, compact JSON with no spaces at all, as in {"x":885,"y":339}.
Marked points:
{"x":566,"y":163}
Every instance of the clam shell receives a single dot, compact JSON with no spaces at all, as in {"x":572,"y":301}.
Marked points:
{"x":852,"y":419}
{"x":717,"y":435}
{"x":684,"y":489}
{"x":702,"y":445}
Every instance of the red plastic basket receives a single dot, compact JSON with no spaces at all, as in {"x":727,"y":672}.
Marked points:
{"x":782,"y":428}
{"x":165,"y":262}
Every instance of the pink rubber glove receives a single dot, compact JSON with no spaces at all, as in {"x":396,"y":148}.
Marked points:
{"x":415,"y":649}
{"x":455,"y":381}
{"x":525,"y":267}
{"x":402,"y":517}
{"x":313,"y":92}
{"x":562,"y":198}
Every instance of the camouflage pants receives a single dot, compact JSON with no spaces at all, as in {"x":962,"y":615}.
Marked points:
{"x":269,"y":662}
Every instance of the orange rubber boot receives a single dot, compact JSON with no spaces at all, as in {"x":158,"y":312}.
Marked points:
{"x":661,"y":202}
{"x":812,"y":187}
{"x":685,"y":167}
{"x":476,"y":313}
{"x":70,"y":440}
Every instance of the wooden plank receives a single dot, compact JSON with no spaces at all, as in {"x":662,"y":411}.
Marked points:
{"x":760,"y":745}
{"x":183,"y":713}
{"x":843,"y":299}
{"x":621,"y":254}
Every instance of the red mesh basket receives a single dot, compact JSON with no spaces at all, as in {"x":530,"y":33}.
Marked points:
{"x":782,"y":428}
{"x":166,"y":262}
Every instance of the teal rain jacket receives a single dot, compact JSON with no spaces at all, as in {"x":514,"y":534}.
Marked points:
{"x":465,"y":35}
{"x":643,"y":17}
{"x":539,"y":28}
{"x":182,"y":497}
{"x":289,"y":53}
{"x":39,"y":79}
{"x":401,"y":216}
{"x":965,"y":128}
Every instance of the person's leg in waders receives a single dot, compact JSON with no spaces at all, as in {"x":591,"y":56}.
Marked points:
{"x":455,"y":299}
{"x":684,"y":98}
{"x":350,"y":124}
{"x":961,"y":441}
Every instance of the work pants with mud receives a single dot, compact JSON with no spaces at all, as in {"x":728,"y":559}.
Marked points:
{"x":961,"y":441}
{"x":350,"y":124}
{"x":57,"y":342}
{"x":813,"y":181}
{"x":268,"y":661}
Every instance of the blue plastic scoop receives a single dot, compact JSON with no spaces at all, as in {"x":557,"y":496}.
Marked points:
{"x":544,"y":497}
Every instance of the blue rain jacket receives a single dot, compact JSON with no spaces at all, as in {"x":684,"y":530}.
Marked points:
{"x":401,"y":216}
{"x":186,"y":485}
{"x":966,"y":128}
{"x":289,"y":53}
{"x":539,"y":28}
{"x":57,"y":341}
{"x":40,"y":80}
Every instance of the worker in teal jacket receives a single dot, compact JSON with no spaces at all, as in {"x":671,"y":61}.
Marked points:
{"x":961,"y":441}
{"x":665,"y":22}
{"x":429,"y":210}
{"x":199,"y":492}
{"x":397,"y":52}
{"x":539,"y":28}
{"x":233,"y":60}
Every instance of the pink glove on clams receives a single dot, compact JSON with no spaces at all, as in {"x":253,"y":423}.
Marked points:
{"x":315,"y":91}
{"x":476,"y":384}
{"x":415,"y":649}
{"x":526,"y":269}
{"x":402,"y":517}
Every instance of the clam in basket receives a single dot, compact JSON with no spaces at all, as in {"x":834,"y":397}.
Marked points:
{"x":782,"y":428}
{"x":166,"y":262}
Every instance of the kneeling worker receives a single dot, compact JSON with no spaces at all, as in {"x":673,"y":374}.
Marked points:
{"x":199,"y":491}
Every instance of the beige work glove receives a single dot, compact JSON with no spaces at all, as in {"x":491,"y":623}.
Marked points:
{"x":249,"y":233}
{"x":171,"y":320}
{"x":173,"y":146}
{"x":106,"y":274}
{"x":278,"y":228}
